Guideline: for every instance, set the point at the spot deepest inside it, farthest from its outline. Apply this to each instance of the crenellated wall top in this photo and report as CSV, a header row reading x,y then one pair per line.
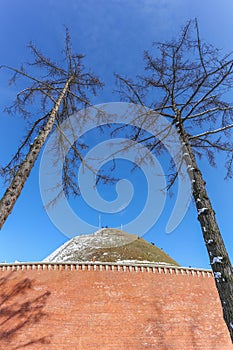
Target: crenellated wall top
x,y
105,266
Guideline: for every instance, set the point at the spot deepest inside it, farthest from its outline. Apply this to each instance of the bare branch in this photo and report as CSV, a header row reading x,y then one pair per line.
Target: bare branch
x,y
131,88
211,132
210,111
22,73
209,92
199,48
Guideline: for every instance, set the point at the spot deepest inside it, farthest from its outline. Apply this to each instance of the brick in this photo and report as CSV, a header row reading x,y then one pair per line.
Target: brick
x,y
89,307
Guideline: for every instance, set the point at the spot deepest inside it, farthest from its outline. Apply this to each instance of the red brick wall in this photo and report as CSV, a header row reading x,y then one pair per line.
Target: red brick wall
x,y
64,308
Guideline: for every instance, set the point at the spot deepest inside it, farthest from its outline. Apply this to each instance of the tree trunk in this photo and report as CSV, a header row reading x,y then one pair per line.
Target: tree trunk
x,y
13,191
219,259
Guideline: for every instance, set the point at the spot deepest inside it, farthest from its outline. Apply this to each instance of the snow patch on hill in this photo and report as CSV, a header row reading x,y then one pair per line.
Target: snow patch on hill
x,y
86,245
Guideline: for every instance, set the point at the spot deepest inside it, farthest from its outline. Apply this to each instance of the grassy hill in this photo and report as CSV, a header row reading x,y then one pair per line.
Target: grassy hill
x,y
110,245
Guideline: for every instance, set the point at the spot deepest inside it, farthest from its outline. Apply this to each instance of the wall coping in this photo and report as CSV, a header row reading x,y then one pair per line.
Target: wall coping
x,y
104,266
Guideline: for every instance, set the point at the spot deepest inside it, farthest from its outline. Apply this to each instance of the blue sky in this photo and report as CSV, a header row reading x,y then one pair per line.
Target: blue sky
x,y
112,35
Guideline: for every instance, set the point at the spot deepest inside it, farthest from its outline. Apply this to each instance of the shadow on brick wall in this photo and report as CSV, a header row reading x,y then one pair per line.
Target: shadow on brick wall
x,y
21,309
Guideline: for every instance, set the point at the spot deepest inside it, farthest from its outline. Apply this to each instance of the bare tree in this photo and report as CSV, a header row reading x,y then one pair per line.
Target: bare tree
x,y
57,91
187,82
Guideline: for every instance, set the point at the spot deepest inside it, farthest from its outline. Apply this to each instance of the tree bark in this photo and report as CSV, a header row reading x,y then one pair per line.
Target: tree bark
x,y
219,259
15,188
